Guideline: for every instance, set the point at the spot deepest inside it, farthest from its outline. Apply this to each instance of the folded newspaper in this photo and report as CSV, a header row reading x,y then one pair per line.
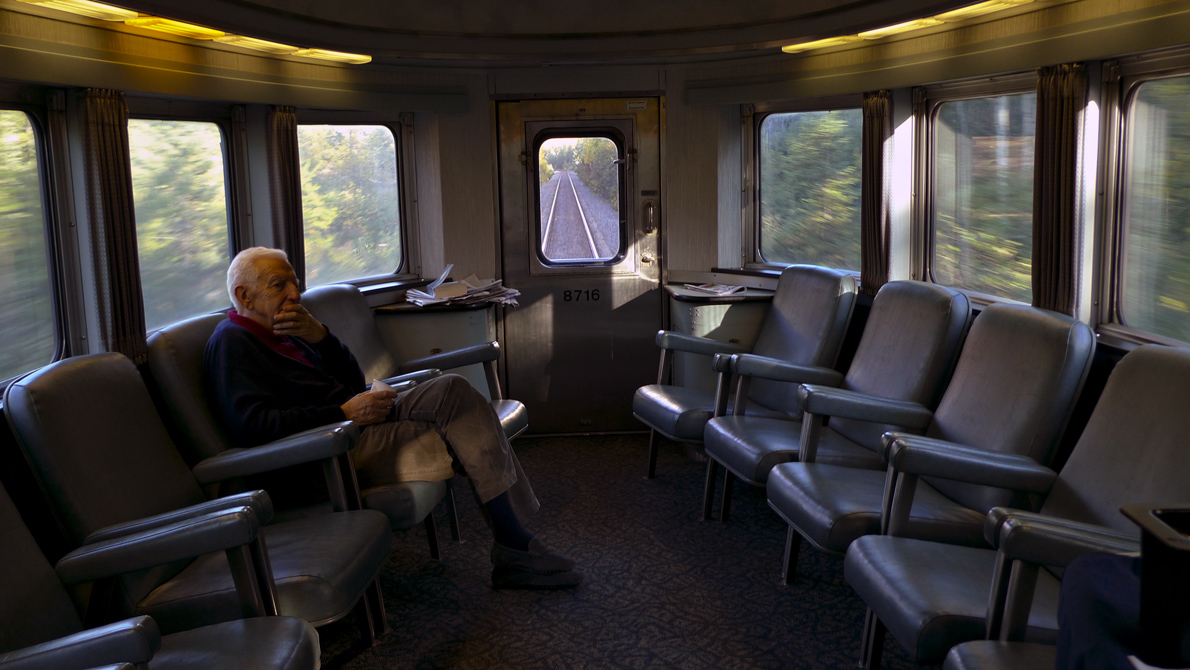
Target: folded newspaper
x,y
715,289
469,291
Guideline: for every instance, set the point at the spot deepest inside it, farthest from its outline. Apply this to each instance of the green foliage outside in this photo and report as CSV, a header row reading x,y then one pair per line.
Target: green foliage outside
x,y
180,193
592,161
983,195
545,171
810,188
26,305
350,202
558,153
1156,296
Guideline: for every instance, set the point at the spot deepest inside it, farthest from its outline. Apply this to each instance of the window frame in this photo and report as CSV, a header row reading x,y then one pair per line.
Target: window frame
x,y
622,153
1123,78
754,117
403,139
927,100
56,248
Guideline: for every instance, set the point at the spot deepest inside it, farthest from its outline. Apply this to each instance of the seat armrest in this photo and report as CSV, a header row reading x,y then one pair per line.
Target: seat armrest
x,y
447,360
307,446
667,339
215,531
419,377
258,500
913,454
723,362
1036,538
132,641
751,365
827,401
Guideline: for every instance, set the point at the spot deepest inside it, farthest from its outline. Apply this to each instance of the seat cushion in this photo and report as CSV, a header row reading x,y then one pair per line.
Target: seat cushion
x,y
933,596
995,655
831,506
321,566
406,504
514,417
677,412
262,643
749,446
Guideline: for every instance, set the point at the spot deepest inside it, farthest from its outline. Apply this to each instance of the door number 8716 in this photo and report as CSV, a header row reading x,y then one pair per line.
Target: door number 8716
x,y
581,295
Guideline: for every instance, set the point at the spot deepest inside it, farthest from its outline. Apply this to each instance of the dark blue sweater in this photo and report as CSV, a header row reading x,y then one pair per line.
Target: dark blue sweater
x,y
262,395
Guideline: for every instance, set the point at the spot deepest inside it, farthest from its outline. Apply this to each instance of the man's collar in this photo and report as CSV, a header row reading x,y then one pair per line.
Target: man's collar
x,y
256,328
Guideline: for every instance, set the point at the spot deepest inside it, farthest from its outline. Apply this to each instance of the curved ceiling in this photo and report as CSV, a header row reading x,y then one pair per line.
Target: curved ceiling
x,y
463,32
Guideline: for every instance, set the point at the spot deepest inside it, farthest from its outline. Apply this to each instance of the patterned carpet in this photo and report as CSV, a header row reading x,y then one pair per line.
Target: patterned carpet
x,y
661,588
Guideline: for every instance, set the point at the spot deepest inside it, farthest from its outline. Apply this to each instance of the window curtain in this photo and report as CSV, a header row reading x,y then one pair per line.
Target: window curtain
x,y
874,208
1061,95
285,187
111,214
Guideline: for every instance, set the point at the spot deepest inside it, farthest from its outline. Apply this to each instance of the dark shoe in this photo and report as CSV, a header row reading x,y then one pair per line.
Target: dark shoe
x,y
504,577
538,558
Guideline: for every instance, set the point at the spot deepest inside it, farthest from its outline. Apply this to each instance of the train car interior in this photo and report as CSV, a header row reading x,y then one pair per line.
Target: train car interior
x,y
834,333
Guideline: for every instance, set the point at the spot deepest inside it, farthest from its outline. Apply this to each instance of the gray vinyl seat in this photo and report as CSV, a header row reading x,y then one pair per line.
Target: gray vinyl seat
x,y
101,453
932,596
904,359
40,627
804,326
1016,381
343,309
176,365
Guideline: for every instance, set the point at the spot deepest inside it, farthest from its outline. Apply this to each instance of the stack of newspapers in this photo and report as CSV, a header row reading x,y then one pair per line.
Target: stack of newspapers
x,y
469,291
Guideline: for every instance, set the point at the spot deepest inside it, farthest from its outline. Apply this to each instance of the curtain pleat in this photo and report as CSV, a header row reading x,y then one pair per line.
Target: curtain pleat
x,y
111,213
285,187
1061,94
874,207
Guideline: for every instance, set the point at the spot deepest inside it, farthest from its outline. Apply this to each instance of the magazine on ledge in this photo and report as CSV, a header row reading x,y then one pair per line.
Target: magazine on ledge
x,y
715,289
469,291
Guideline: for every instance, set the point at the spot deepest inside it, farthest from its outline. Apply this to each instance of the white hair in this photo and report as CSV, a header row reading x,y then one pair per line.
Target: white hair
x,y
245,269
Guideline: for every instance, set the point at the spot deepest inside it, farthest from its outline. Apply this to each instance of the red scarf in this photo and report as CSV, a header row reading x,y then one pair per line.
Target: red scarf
x,y
278,343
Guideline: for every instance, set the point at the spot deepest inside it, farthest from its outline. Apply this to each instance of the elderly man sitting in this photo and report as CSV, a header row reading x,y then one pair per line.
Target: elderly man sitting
x,y
273,370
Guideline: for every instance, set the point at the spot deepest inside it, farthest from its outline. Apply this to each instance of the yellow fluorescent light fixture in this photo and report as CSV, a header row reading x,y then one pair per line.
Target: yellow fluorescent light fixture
x,y
357,59
898,28
980,9
175,27
256,45
819,44
94,10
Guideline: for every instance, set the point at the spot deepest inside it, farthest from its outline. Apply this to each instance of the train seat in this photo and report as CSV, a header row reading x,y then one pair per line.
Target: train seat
x,y
40,627
342,308
903,361
95,442
932,596
1016,381
804,326
175,362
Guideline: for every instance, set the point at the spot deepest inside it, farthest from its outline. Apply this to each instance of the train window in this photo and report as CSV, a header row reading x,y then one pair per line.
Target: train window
x,y
1156,240
578,193
27,323
179,187
810,170
351,203
983,194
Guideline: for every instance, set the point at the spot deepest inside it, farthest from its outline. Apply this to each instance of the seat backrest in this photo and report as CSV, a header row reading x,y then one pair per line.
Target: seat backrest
x,y
95,442
34,607
343,309
1136,446
805,325
176,365
1014,386
907,350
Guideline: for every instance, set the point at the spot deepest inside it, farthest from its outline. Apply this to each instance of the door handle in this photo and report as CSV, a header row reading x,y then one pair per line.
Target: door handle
x,y
649,217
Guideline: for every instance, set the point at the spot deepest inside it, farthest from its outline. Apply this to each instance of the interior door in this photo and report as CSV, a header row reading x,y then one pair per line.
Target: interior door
x,y
580,202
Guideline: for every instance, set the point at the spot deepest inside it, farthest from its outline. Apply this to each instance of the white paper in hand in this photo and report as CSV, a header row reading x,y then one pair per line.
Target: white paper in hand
x,y
378,385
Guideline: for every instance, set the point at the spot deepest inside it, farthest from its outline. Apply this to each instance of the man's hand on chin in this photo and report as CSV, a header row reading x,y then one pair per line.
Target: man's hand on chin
x,y
295,321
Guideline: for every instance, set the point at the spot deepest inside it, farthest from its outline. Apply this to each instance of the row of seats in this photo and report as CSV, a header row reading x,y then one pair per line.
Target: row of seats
x,y
927,463
225,581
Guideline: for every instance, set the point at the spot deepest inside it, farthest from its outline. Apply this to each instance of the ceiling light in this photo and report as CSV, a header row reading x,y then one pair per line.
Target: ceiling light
x,y
819,44
980,9
94,10
256,45
339,56
898,28
175,27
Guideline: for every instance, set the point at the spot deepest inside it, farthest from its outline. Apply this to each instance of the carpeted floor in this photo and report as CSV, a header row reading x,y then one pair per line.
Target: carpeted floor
x,y
661,589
